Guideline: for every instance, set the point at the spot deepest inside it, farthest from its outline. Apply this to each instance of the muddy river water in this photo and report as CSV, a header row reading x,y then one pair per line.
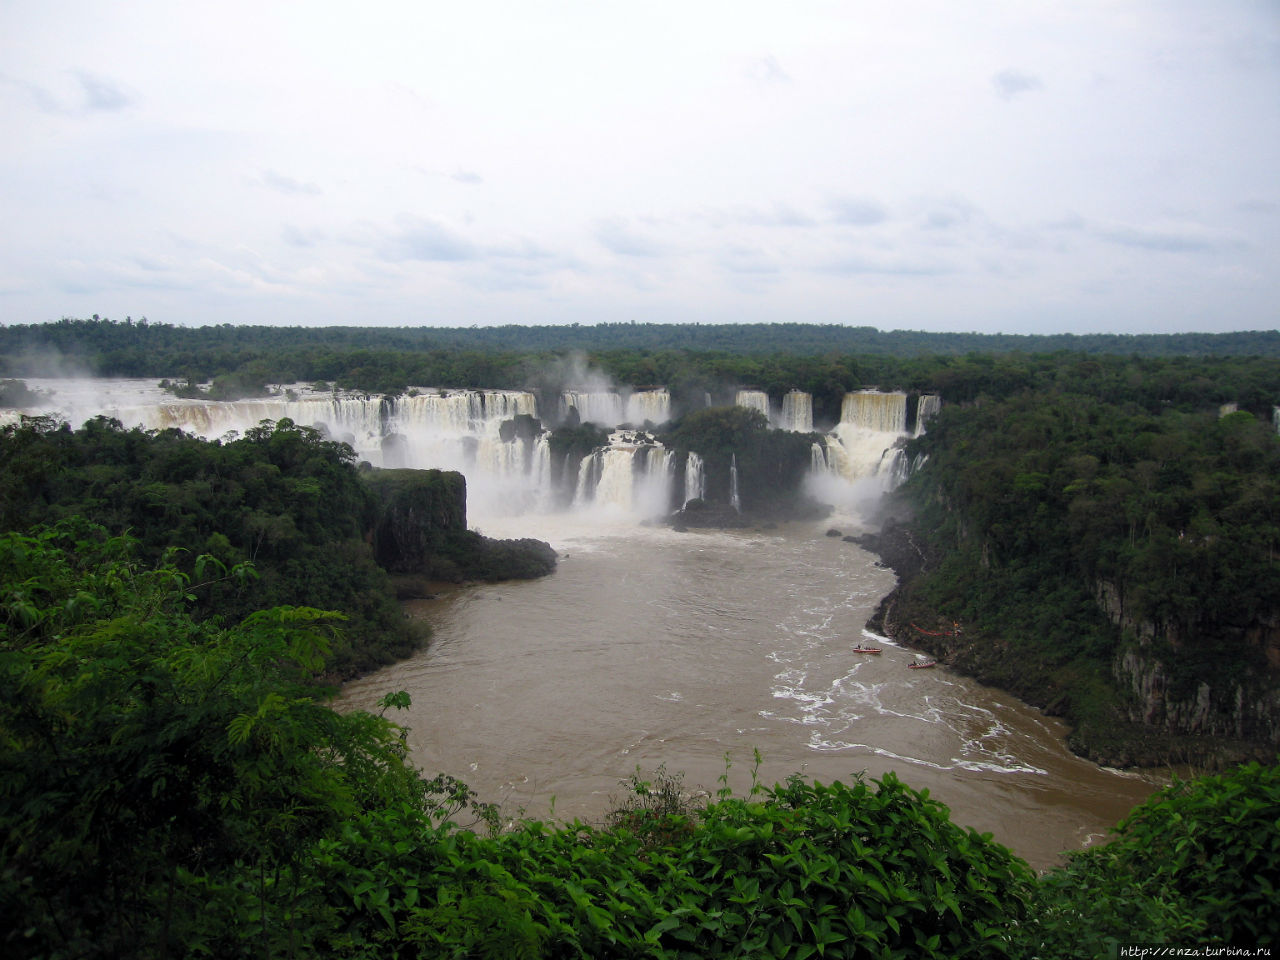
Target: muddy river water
x,y
651,647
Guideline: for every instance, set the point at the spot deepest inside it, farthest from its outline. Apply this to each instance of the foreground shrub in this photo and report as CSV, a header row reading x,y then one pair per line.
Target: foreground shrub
x,y
1199,862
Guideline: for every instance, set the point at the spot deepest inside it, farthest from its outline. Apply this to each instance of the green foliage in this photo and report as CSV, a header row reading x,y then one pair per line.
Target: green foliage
x,y
280,496
422,531
145,755
1198,862
170,787
1038,504
771,464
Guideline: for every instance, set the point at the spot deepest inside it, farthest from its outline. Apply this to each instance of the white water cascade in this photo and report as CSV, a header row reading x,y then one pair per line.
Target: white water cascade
x,y
651,406
797,412
695,478
865,449
461,430
753,400
926,409
631,475
601,407
611,408
734,500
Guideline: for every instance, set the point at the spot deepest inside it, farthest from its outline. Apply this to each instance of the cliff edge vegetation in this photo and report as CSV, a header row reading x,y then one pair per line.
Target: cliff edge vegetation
x,y
1114,561
281,498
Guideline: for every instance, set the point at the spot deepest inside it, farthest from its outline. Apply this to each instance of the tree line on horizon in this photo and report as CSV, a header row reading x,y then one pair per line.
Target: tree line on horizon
x,y
689,359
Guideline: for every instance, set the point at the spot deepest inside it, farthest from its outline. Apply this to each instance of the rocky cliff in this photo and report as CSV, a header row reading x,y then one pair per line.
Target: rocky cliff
x,y
421,533
1159,699
1178,683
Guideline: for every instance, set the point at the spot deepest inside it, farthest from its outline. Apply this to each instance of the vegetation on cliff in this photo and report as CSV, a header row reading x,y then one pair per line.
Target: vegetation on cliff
x,y
1087,541
281,497
771,464
422,531
179,787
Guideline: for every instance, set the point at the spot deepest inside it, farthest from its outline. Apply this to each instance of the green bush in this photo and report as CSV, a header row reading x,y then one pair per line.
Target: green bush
x,y
1198,862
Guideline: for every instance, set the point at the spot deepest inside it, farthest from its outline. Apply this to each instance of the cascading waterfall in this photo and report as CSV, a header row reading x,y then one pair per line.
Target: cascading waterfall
x,y
632,474
817,458
695,478
872,410
653,406
753,400
602,407
444,429
927,408
797,412
866,446
461,430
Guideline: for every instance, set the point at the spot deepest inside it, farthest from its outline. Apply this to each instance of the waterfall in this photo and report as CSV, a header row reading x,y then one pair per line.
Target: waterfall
x,y
695,479
632,474
817,458
461,430
753,400
871,410
653,406
797,412
927,408
445,429
1275,418
603,408
866,447
540,471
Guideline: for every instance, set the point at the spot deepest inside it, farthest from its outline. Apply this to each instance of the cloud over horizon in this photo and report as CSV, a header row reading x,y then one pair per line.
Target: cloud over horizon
x,y
1032,169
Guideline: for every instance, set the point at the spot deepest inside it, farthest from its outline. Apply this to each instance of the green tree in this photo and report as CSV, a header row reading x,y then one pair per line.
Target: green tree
x,y
144,755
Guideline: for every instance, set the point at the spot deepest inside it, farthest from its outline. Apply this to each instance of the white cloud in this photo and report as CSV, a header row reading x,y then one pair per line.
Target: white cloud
x,y
419,238
857,211
288,185
912,165
1010,83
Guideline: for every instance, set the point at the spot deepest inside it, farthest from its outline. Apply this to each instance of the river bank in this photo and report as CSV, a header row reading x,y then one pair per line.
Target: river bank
x,y
1080,695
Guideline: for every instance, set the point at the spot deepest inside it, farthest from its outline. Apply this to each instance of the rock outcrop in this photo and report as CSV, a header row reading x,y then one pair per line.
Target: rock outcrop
x,y
421,532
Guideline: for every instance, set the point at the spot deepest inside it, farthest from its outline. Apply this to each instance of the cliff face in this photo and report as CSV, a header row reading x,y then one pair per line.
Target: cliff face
x,y
421,531
1239,699
1173,700
421,510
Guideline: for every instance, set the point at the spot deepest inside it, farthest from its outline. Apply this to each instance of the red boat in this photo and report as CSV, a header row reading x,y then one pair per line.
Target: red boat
x,y
922,664
861,649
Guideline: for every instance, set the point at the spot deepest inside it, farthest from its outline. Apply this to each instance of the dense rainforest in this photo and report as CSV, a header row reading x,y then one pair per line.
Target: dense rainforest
x,y
1094,530
289,502
689,359
1118,565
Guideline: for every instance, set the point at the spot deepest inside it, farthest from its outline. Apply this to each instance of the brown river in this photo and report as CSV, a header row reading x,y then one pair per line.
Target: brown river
x,y
650,647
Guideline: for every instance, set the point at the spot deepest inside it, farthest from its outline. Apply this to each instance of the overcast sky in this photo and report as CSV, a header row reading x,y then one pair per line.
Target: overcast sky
x,y
1018,166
